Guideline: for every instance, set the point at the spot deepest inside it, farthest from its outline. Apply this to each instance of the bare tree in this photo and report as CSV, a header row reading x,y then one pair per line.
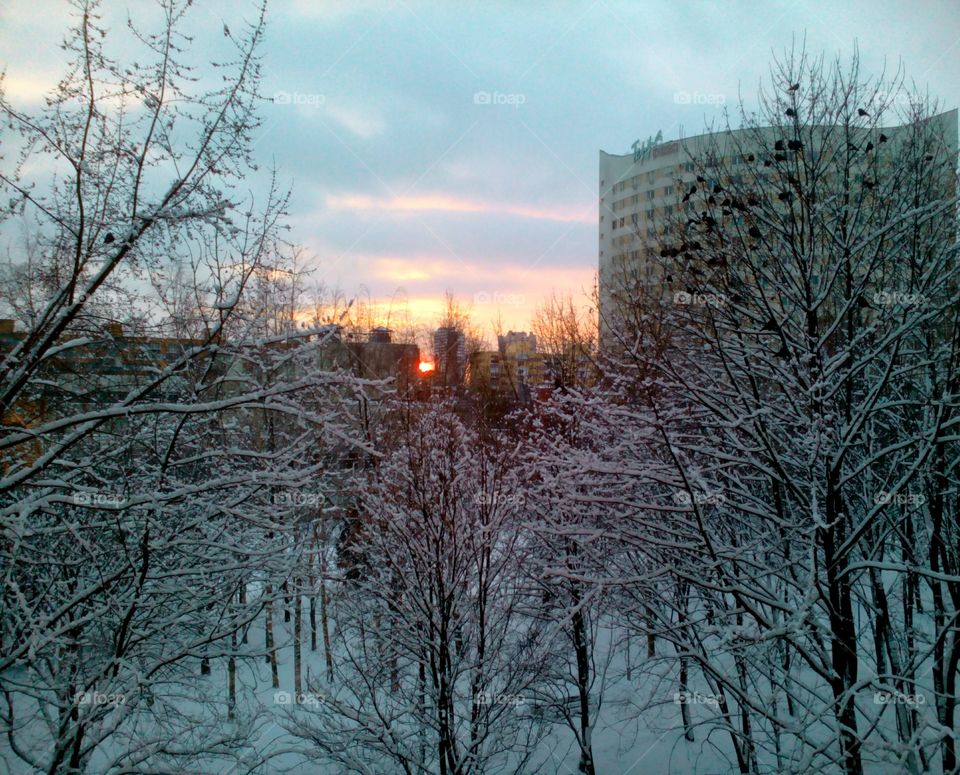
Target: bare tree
x,y
434,658
152,409
795,354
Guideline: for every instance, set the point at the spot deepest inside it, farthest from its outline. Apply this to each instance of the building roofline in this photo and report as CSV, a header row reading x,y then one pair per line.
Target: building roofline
x,y
769,126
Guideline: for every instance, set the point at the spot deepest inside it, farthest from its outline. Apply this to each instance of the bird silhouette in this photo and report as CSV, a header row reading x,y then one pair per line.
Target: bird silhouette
x,y
869,147
767,163
790,112
793,87
778,145
862,112
794,145
751,157
785,196
701,179
755,232
883,138
226,31
779,157
770,325
718,189
868,184
108,239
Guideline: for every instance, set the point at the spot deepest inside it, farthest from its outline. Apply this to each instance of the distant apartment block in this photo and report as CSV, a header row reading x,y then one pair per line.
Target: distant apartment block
x,y
512,370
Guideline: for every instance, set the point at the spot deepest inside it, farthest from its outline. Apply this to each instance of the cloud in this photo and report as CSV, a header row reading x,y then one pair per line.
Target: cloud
x,y
417,203
361,123
29,88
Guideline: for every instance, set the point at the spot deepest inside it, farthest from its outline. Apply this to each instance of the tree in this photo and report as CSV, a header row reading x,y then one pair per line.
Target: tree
x,y
569,334
141,468
434,659
805,306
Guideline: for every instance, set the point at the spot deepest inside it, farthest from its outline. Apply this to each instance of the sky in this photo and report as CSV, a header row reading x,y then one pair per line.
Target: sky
x,y
453,146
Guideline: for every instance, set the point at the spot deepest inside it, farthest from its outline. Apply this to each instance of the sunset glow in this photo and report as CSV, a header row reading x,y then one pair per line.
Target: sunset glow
x,y
426,367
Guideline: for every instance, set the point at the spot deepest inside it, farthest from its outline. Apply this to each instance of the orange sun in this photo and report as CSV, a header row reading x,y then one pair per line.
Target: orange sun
x,y
426,367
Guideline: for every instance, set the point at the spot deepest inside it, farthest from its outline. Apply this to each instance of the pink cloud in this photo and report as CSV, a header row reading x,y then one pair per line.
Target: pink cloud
x,y
453,204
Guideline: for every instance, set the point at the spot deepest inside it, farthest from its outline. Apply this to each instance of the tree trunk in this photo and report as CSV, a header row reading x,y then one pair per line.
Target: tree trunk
x,y
324,609
243,604
582,653
313,612
271,648
297,634
684,702
232,679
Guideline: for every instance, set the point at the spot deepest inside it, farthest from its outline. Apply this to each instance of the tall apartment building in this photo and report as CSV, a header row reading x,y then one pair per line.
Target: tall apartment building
x,y
641,193
450,356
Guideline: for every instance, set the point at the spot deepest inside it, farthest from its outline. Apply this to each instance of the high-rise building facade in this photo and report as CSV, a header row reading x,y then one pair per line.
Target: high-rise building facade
x,y
450,356
642,194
